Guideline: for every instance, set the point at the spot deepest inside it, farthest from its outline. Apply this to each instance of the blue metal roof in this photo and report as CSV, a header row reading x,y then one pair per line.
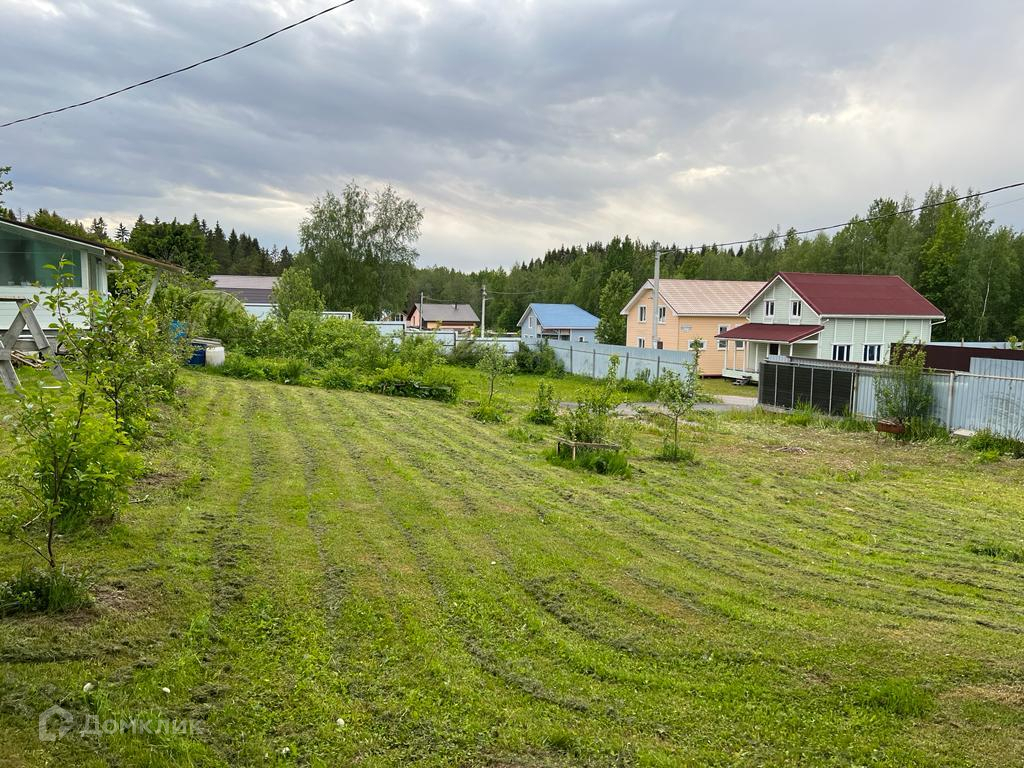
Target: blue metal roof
x,y
567,316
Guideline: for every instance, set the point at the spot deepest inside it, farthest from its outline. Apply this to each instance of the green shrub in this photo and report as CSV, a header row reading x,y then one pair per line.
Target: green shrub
x,y
542,360
986,441
904,394
545,409
670,451
287,371
421,353
400,380
466,354
38,590
601,462
489,413
240,366
522,434
338,376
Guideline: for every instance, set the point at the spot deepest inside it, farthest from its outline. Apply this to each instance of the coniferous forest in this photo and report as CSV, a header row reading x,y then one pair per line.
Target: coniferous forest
x,y
951,251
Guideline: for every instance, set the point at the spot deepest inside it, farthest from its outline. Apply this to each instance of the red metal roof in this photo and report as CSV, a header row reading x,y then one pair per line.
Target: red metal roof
x,y
859,295
781,332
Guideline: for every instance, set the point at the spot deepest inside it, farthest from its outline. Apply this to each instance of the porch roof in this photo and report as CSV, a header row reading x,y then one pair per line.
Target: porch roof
x,y
774,332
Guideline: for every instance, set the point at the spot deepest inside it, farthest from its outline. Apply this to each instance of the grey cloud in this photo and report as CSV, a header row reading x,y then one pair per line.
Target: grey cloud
x,y
517,125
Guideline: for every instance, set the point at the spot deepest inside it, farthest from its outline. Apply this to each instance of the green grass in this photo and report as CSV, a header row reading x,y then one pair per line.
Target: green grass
x,y
300,555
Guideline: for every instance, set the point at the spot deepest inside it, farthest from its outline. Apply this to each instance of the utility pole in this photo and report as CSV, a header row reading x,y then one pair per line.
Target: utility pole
x,y
657,293
483,312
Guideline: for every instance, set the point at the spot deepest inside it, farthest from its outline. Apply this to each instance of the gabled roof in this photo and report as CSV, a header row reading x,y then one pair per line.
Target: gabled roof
x,y
561,316
775,332
701,297
251,289
857,295
112,253
447,313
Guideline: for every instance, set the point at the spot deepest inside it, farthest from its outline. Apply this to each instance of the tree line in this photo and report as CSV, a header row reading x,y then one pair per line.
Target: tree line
x,y
951,252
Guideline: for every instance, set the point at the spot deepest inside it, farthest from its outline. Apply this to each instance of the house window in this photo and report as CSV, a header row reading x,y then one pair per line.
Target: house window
x,y
723,343
872,353
769,309
661,314
841,352
773,349
642,314
739,345
798,308
640,342
581,339
23,261
529,322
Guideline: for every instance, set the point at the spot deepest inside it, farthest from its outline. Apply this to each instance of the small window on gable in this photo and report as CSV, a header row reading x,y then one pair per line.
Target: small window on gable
x,y
661,314
798,307
642,313
769,309
529,322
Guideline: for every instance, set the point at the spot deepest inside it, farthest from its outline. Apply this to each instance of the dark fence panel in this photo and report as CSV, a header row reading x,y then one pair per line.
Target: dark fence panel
x,y
785,385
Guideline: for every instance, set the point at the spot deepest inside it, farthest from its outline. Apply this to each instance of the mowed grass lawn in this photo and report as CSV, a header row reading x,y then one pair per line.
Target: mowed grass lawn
x,y
800,597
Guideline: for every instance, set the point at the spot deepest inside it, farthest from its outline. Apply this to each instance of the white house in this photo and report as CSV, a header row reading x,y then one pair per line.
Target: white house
x,y
27,250
851,318
565,322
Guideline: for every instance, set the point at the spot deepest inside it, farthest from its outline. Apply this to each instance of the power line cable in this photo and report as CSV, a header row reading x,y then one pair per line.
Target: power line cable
x,y
181,69
866,220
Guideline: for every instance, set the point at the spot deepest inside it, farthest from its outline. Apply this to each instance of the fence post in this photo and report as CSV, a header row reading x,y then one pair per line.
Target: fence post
x,y
593,364
570,359
949,400
626,374
657,369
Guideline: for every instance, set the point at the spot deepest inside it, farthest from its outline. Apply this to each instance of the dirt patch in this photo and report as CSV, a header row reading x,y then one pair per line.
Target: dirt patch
x,y
1007,694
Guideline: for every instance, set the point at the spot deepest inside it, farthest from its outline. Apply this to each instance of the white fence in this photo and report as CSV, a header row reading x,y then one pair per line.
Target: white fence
x,y
592,360
969,401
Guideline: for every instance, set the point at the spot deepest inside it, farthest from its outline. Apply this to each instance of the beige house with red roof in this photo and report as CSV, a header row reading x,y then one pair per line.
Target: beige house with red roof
x,y
690,310
849,318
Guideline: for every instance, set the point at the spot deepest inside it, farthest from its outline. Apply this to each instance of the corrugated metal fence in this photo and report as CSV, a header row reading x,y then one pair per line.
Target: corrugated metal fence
x,y
592,360
961,400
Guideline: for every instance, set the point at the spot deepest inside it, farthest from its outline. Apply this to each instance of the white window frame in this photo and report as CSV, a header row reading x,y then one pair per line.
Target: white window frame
x,y
769,310
529,322
640,342
661,314
740,345
641,314
796,309
723,344
582,339
846,355
876,358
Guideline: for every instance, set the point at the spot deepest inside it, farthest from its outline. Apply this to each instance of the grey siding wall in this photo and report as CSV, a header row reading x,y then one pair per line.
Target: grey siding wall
x,y
783,296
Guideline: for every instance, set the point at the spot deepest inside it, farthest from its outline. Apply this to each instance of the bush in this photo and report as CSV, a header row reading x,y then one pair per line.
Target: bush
x,y
904,394
601,462
986,441
288,371
466,354
851,422
489,413
542,360
673,452
239,366
338,376
400,380
545,409
38,590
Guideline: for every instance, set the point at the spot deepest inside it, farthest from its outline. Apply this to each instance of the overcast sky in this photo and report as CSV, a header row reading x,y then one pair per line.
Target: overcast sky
x,y
518,126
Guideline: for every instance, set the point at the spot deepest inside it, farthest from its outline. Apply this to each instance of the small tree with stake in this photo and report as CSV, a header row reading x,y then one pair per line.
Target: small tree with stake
x,y
677,395
494,364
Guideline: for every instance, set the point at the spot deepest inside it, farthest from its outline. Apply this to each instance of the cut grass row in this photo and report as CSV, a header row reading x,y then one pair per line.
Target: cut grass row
x,y
317,555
